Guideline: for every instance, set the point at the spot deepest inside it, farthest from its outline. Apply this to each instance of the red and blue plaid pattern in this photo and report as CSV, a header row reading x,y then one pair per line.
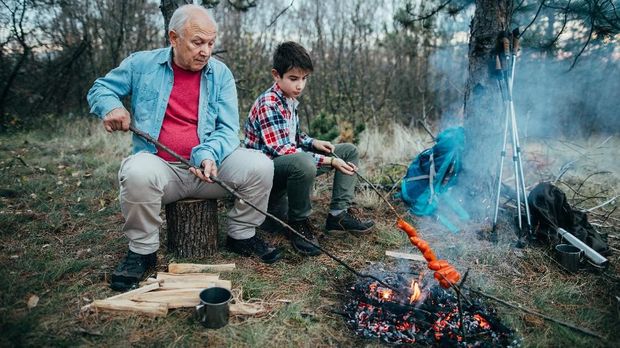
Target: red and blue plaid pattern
x,y
266,128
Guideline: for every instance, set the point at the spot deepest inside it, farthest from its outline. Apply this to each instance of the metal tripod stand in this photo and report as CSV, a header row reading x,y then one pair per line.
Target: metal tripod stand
x,y
505,71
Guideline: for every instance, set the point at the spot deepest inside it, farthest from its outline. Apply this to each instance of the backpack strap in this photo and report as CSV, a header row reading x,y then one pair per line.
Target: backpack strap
x,y
431,177
414,178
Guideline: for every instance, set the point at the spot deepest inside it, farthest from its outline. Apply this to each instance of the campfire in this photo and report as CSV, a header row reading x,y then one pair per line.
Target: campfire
x,y
419,311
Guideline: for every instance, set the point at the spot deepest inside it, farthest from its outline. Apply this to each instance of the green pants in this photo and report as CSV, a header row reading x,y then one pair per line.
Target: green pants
x,y
294,177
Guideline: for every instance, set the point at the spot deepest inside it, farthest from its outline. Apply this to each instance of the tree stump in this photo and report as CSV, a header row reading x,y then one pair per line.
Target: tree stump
x,y
192,227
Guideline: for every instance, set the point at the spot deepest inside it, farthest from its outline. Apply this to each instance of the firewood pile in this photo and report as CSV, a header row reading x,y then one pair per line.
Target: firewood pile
x,y
178,288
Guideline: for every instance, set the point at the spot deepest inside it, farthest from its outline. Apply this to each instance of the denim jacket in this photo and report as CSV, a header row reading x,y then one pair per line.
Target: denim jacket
x,y
147,76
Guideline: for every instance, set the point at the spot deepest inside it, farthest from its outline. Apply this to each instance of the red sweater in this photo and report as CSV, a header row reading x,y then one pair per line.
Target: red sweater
x,y
179,130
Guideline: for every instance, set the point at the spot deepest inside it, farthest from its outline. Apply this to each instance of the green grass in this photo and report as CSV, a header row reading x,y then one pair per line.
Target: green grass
x,y
60,238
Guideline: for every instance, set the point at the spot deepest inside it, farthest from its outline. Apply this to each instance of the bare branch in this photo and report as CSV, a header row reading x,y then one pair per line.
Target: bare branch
x,y
542,3
564,22
584,45
430,14
279,14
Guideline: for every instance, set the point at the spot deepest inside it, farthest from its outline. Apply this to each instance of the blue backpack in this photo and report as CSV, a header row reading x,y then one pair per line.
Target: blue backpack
x,y
432,173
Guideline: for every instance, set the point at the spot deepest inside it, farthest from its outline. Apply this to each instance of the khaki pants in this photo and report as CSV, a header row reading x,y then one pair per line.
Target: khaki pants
x,y
147,182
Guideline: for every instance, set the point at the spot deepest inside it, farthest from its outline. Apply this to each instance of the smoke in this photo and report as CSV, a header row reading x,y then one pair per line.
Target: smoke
x,y
553,100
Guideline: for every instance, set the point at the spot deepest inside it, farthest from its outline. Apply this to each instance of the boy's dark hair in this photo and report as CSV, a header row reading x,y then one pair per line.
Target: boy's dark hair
x,y
290,55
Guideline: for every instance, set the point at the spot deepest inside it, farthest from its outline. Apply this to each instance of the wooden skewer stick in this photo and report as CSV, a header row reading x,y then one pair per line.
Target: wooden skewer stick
x,y
546,317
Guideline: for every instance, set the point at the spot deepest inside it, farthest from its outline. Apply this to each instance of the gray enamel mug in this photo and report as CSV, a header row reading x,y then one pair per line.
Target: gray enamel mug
x,y
569,256
213,310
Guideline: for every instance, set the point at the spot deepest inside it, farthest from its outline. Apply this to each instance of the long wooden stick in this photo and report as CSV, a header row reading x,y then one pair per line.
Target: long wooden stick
x,y
253,206
546,317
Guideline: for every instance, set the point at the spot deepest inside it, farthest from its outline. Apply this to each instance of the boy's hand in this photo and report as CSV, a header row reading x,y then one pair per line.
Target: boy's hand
x,y
210,169
322,145
344,167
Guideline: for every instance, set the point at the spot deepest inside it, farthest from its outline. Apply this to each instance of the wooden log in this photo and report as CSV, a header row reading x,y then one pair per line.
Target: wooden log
x,y
196,284
196,268
151,309
192,227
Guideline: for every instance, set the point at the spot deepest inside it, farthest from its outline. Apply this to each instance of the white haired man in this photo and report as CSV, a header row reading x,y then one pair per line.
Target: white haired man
x,y
188,102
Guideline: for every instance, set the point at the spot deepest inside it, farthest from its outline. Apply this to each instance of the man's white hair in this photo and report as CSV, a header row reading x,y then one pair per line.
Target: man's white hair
x,y
183,13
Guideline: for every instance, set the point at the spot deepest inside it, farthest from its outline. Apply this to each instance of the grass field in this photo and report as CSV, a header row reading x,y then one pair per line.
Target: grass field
x,y
60,239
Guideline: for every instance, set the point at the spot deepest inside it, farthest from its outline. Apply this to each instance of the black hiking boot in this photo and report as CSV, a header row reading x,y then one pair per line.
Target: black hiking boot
x,y
347,221
306,230
254,246
272,226
132,270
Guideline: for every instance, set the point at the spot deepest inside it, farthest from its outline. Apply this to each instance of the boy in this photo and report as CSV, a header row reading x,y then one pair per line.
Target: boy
x,y
273,128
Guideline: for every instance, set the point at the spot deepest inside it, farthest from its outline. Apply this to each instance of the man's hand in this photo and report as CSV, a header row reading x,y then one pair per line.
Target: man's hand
x,y
208,170
117,119
323,146
344,167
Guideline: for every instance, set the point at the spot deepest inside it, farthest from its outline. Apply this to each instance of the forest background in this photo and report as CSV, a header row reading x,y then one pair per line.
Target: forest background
x,y
382,70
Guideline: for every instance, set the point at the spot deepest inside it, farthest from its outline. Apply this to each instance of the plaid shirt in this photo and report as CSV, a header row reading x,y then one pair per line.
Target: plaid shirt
x,y
267,127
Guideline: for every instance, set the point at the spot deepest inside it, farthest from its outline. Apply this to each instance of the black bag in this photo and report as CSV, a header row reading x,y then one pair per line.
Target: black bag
x,y
548,205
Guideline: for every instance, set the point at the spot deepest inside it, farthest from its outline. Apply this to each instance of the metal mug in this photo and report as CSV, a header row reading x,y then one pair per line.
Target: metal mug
x,y
213,310
569,256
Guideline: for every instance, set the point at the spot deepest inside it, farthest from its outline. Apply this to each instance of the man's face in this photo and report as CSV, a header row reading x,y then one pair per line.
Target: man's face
x,y
193,46
292,83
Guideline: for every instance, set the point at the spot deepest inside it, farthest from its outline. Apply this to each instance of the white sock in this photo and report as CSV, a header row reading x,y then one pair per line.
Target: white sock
x,y
336,212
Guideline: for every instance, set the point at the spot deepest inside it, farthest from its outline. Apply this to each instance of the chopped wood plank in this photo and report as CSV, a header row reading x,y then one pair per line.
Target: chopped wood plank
x,y
150,281
246,309
151,309
196,284
173,298
128,294
196,268
186,277
407,256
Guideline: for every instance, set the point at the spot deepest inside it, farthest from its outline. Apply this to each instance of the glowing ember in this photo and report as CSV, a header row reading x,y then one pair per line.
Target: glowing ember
x,y
385,294
414,313
484,324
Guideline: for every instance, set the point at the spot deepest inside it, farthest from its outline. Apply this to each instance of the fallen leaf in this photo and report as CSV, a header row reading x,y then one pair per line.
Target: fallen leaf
x,y
33,301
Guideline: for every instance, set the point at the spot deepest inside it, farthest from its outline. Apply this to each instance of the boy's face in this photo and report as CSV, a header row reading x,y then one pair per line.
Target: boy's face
x,y
292,83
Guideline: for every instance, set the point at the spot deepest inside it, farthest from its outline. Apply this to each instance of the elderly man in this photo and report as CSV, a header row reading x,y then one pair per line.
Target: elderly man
x,y
189,102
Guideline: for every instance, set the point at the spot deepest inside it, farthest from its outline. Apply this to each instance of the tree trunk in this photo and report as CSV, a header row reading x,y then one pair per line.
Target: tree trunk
x,y
167,9
484,113
192,227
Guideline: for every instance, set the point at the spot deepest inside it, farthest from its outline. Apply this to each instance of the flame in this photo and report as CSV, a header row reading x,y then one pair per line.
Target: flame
x,y
415,291
483,322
